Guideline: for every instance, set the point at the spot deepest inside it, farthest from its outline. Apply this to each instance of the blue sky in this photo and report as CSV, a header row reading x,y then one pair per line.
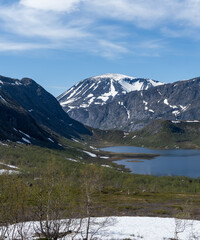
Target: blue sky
x,y
60,42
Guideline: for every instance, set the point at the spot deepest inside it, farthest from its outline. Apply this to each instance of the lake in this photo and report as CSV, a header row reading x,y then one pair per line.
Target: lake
x,y
171,162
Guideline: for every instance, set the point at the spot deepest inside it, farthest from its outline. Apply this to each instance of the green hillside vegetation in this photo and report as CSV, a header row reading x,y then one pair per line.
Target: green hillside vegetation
x,y
117,192
161,134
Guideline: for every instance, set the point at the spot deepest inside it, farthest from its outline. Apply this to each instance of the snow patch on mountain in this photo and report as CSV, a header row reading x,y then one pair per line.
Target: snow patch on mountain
x,y
26,140
28,136
184,108
1,98
167,103
112,93
176,112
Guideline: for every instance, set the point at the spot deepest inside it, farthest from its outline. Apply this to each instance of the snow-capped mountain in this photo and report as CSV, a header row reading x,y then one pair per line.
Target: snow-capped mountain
x,y
102,89
131,110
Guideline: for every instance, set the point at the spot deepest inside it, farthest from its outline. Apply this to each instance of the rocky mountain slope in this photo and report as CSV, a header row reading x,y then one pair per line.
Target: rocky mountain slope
x,y
26,109
18,126
136,109
100,90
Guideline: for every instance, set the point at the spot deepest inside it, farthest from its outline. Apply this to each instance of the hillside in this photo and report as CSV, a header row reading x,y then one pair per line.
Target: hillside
x,y
17,125
162,134
41,106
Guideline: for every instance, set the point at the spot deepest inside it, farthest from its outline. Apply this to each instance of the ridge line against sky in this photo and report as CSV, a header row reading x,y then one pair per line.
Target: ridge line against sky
x,y
156,39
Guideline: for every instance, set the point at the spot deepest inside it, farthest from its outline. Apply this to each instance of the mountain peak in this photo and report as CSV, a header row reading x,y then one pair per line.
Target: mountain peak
x,y
114,76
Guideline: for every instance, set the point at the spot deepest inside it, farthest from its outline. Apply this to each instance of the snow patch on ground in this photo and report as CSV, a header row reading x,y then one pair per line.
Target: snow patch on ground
x,y
3,144
193,121
73,160
93,148
175,122
106,166
9,172
90,154
75,140
10,166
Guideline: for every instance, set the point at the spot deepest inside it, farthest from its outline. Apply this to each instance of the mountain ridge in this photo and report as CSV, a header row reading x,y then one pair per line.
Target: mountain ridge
x,y
102,89
134,110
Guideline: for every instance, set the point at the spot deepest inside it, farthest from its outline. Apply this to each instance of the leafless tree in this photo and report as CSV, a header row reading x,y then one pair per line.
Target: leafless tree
x,y
92,182
55,202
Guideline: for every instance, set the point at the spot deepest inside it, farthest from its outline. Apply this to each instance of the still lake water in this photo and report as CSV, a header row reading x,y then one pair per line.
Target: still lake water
x,y
172,162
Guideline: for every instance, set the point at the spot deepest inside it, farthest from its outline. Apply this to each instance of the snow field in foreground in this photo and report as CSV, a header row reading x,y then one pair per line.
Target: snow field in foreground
x,y
134,228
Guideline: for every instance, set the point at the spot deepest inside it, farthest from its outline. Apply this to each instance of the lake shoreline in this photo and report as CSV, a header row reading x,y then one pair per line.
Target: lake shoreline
x,y
167,162
120,156
108,145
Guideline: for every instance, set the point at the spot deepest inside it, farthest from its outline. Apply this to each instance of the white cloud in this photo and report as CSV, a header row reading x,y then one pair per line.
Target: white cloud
x,y
32,23
52,5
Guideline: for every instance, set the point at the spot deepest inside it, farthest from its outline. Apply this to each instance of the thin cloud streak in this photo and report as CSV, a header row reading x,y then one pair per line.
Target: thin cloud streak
x,y
6,46
52,5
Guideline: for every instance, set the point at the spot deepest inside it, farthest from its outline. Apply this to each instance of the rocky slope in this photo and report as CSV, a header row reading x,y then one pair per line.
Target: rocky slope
x,y
18,126
27,111
136,109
